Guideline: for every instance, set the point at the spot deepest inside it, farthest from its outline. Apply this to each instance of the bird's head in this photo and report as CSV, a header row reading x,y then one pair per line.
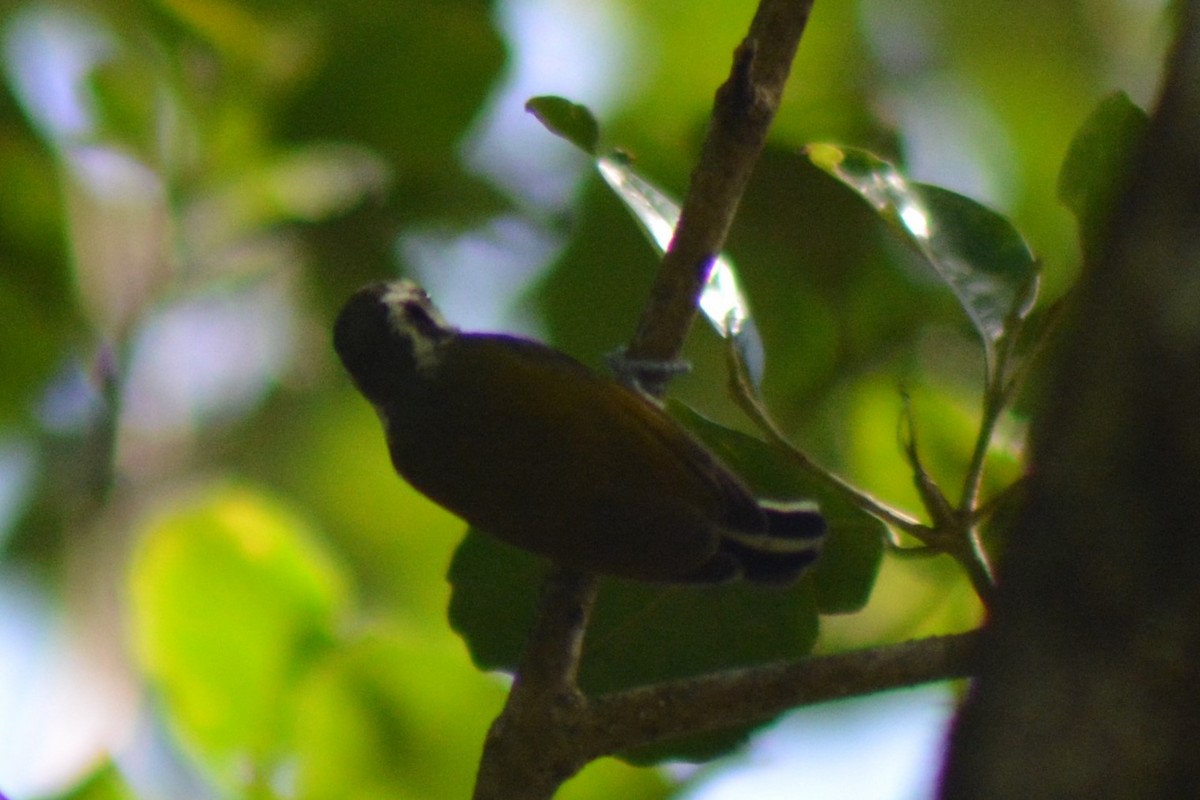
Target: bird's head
x,y
387,335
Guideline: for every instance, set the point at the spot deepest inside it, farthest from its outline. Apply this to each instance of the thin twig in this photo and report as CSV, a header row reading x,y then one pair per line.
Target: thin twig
x,y
751,403
953,531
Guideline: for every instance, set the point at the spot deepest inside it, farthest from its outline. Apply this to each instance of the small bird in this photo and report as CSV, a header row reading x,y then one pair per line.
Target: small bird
x,y
527,444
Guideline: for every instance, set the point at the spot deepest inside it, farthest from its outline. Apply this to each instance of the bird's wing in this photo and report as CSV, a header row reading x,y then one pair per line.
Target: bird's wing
x,y
621,417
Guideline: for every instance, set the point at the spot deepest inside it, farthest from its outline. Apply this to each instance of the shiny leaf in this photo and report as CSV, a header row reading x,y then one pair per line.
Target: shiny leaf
x,y
722,301
975,251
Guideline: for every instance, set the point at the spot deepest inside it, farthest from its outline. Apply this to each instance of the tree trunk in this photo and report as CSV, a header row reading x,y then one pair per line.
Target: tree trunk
x,y
1090,677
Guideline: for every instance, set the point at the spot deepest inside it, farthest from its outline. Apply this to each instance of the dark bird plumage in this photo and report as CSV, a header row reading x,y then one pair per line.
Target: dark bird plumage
x,y
527,444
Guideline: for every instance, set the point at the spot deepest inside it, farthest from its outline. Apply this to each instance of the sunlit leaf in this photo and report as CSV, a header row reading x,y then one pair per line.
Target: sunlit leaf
x,y
571,121
977,252
392,715
606,778
232,597
1097,162
104,783
722,301
308,184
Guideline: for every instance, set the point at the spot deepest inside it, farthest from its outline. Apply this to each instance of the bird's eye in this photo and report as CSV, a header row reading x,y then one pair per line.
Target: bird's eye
x,y
419,317
422,321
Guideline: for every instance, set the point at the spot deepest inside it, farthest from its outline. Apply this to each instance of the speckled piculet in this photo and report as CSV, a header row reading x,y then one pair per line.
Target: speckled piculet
x,y
527,444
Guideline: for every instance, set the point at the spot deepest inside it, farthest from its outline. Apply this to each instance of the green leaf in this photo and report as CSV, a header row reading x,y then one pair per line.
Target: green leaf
x,y
975,251
640,633
37,292
307,184
130,105
1097,163
406,78
571,121
493,598
232,599
844,575
104,783
392,715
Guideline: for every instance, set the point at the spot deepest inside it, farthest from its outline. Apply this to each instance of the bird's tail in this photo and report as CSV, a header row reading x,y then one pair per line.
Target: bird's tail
x,y
781,554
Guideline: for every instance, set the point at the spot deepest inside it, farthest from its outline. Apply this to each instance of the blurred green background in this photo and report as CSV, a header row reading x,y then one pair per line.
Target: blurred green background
x,y
211,582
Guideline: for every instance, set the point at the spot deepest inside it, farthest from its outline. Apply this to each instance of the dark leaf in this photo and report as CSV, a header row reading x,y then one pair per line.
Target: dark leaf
x,y
571,121
640,633
1097,162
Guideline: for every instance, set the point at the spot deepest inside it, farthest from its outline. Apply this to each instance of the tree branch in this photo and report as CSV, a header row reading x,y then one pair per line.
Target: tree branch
x,y
744,108
533,745
527,754
653,714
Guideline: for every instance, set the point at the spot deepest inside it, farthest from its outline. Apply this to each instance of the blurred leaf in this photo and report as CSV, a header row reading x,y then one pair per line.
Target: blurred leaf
x,y
232,599
1096,164
842,578
129,104
392,715
977,252
37,302
397,542
406,77
322,180
571,121
104,783
308,184
31,345
262,43
606,778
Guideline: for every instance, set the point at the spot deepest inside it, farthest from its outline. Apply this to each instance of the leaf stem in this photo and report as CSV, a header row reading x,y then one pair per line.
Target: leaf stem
x,y
995,398
750,402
